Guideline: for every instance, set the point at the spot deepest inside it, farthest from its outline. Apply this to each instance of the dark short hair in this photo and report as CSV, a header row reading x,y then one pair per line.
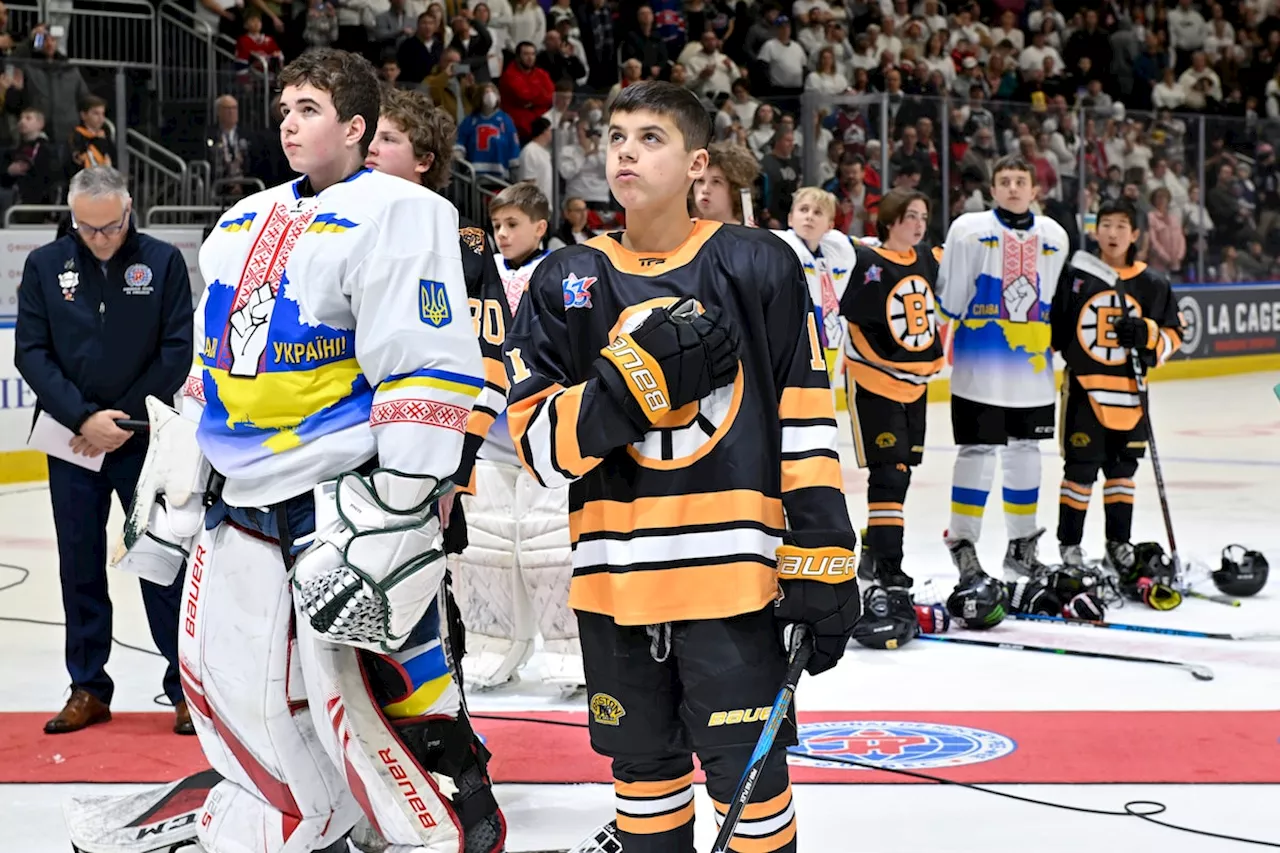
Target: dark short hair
x,y
89,102
524,197
1119,207
894,206
1012,163
348,78
670,101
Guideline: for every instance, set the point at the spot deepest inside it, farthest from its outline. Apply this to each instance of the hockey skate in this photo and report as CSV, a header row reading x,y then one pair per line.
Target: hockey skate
x,y
1072,556
866,561
1020,559
965,555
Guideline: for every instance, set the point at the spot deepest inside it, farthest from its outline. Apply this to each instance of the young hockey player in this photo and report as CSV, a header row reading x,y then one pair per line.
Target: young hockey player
x,y
332,385
702,478
512,581
717,195
1102,423
996,282
891,352
827,258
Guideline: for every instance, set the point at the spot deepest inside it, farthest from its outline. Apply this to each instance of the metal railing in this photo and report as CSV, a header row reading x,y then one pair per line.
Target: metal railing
x,y
181,215
194,57
38,209
121,32
158,176
471,193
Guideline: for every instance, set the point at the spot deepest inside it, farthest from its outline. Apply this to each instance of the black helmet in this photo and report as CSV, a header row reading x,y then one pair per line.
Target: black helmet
x,y
1244,576
981,605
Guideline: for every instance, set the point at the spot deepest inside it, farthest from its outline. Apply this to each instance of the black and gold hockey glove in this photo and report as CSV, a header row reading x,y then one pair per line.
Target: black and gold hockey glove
x,y
819,590
675,357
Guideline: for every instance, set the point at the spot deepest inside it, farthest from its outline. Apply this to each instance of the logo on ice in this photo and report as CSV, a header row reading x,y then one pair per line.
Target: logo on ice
x,y
903,745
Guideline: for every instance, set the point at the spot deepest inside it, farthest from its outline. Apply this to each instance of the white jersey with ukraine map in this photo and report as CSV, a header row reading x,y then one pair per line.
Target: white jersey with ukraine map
x,y
827,271
334,326
995,285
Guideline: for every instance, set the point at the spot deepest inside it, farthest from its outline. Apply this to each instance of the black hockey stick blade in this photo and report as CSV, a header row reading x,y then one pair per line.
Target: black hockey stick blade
x,y
801,649
1143,629
1201,673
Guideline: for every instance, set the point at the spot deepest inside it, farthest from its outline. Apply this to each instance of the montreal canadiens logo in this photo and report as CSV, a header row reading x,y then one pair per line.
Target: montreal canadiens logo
x,y
907,746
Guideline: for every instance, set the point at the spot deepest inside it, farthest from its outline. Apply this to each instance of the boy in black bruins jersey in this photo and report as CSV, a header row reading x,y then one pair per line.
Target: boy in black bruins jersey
x,y
706,503
1102,423
891,351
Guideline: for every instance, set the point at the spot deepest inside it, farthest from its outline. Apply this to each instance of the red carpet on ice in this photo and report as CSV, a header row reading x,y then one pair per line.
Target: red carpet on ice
x,y
1032,747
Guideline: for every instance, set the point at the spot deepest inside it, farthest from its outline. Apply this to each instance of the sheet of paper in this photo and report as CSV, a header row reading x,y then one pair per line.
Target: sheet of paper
x,y
49,436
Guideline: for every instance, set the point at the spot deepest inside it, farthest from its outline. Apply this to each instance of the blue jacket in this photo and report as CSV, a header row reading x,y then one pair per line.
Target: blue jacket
x,y
94,336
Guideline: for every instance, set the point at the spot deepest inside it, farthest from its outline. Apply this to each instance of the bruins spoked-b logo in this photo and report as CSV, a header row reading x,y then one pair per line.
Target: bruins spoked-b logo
x,y
1097,330
911,314
606,710
885,440
687,434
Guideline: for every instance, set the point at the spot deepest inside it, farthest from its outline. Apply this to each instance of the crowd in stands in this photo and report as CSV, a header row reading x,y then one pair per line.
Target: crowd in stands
x,y
1104,98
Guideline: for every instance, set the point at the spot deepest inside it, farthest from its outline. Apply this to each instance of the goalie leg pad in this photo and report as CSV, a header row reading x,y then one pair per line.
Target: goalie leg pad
x,y
243,683
487,580
546,566
167,512
406,801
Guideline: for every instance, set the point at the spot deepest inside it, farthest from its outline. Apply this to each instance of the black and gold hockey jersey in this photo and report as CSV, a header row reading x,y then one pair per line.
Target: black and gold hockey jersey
x,y
490,317
892,347
683,521
1085,309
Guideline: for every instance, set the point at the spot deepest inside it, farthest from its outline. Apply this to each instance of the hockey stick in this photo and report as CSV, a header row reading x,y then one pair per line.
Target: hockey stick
x,y
1140,377
1216,599
1144,629
1203,673
801,649
748,208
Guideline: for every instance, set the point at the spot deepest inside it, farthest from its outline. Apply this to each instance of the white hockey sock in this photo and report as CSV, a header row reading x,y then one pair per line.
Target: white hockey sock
x,y
1021,481
970,485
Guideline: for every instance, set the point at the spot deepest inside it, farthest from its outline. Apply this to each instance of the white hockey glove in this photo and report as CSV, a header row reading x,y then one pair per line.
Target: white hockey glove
x,y
167,512
377,561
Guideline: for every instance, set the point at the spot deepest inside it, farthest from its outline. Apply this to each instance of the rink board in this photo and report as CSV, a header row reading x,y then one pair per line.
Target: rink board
x,y
1032,747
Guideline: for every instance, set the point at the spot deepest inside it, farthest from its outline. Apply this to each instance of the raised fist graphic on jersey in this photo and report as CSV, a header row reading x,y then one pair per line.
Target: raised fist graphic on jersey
x,y
248,335
1020,296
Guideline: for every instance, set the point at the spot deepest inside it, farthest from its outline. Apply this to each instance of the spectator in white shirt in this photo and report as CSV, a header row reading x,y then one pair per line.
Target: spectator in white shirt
x,y
813,34
1009,31
1046,12
528,22
1187,31
1168,94
887,41
1198,71
582,165
710,72
535,158
743,104
786,59
1220,43
826,79
760,137
933,17
1035,56
836,39
864,55
972,31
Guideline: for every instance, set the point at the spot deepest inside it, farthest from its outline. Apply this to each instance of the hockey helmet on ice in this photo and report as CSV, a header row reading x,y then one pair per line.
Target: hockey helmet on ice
x,y
1243,572
1150,561
979,601
888,619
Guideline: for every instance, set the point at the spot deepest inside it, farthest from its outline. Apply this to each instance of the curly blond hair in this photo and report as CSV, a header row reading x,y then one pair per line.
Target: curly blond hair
x,y
740,169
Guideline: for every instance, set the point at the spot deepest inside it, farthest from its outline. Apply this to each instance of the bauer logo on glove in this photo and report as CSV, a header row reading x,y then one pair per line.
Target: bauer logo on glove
x,y
831,565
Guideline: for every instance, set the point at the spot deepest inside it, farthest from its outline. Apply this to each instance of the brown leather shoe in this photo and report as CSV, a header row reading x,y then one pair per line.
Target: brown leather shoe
x,y
182,724
82,709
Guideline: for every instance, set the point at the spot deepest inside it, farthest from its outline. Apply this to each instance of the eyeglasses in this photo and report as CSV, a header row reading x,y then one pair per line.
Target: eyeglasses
x,y
111,230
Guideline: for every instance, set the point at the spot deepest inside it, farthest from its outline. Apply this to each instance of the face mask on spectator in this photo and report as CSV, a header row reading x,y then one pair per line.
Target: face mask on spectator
x,y
594,116
490,100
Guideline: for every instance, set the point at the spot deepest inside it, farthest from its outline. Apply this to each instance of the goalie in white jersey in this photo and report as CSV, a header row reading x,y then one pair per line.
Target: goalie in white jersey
x,y
334,376
996,283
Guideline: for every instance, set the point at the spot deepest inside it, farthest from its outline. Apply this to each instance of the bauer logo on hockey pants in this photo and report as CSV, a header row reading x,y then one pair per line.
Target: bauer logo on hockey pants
x,y
606,710
739,715
831,565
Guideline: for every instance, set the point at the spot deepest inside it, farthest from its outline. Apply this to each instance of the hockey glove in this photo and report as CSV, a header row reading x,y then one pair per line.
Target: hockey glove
x,y
674,357
1027,595
933,618
888,619
1085,605
818,589
1135,333
377,562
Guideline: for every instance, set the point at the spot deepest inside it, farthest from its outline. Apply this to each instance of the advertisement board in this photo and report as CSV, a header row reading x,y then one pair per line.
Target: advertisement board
x,y
1224,320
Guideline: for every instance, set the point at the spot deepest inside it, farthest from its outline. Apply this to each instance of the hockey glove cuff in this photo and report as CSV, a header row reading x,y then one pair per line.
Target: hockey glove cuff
x,y
673,358
888,619
1137,333
818,589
